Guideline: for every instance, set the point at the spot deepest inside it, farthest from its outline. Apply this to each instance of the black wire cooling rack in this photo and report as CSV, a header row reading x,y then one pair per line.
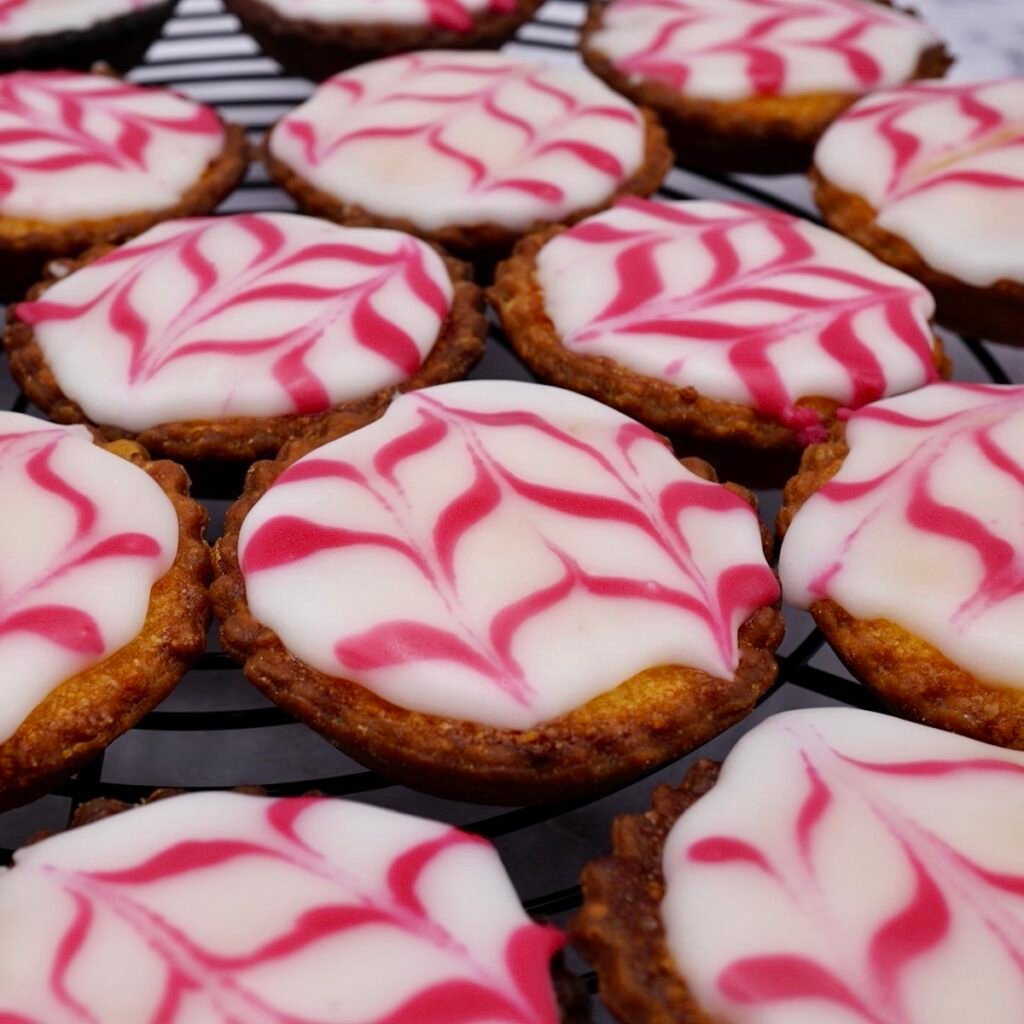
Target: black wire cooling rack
x,y
217,731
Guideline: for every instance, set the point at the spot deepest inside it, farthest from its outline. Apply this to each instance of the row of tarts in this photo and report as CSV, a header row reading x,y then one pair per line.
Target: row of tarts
x,y
508,592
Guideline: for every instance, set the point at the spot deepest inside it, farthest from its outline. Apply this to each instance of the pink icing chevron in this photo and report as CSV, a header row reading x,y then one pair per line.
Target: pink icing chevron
x,y
465,644
906,482
61,129
450,15
946,171
79,545
270,314
500,134
317,950
909,951
830,321
731,49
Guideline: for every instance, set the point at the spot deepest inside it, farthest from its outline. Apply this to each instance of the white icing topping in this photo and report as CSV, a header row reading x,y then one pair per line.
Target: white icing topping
x,y
84,535
852,868
922,525
456,138
252,315
217,908
502,553
744,304
451,15
85,147
20,19
737,49
943,166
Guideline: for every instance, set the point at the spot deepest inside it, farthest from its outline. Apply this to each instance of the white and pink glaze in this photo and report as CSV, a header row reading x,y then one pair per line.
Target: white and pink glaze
x,y
852,868
86,147
922,525
217,908
258,315
732,50
84,535
501,553
743,304
22,19
446,15
942,164
463,138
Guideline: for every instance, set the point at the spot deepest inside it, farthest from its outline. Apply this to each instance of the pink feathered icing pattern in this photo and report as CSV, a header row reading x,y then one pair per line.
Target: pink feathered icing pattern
x,y
84,537
220,907
501,553
856,869
463,138
447,15
922,525
80,146
942,165
744,304
252,315
736,49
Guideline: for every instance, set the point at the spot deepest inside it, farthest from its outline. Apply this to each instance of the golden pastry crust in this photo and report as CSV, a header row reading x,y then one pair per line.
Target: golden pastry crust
x,y
458,348
519,301
87,712
317,50
477,240
26,246
909,674
995,312
654,717
759,135
619,927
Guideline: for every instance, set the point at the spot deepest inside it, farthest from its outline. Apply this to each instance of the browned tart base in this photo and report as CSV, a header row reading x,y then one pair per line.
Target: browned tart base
x,y
619,927
120,42
760,135
458,348
910,675
646,721
680,412
472,240
317,50
88,712
26,246
995,312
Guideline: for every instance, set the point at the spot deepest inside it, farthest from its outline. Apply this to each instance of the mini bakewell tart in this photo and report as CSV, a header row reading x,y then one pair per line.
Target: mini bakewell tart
x,y
842,867
224,907
749,85
500,592
318,38
903,538
78,33
88,158
930,178
103,605
470,150
720,321
223,337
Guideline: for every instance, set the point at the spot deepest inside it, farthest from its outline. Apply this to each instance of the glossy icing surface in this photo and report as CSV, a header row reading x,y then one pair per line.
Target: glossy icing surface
x,y
251,315
852,868
86,147
463,138
501,553
744,304
737,49
450,15
84,535
943,166
922,525
221,908
20,19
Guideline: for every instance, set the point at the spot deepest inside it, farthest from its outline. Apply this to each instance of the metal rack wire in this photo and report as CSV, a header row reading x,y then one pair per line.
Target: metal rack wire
x,y
216,731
